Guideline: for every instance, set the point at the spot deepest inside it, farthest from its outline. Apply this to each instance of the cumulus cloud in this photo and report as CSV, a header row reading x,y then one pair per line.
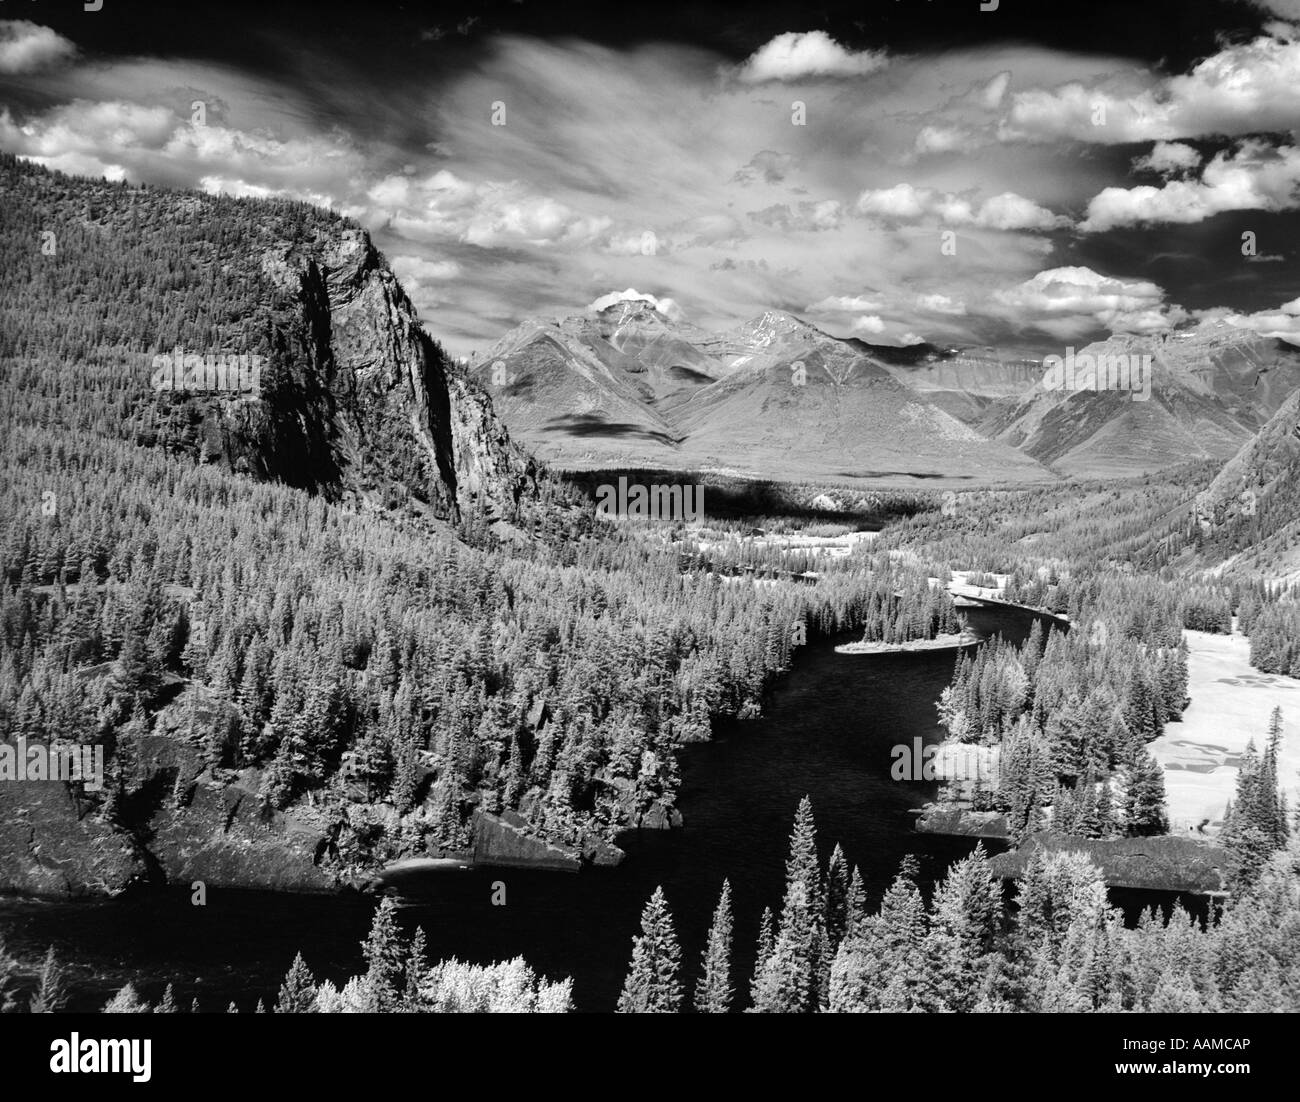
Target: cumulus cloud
x,y
665,306
488,213
421,277
1008,211
1070,302
946,139
1245,88
802,55
1255,176
1280,324
27,47
869,324
1168,158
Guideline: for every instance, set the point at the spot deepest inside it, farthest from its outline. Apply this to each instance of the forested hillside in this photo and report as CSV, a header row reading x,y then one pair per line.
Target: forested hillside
x,y
251,599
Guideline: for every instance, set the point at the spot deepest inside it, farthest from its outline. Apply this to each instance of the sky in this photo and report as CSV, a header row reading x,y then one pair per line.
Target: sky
x,y
894,170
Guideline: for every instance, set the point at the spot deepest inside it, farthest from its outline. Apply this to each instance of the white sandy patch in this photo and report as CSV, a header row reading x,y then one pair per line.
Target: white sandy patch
x,y
1231,704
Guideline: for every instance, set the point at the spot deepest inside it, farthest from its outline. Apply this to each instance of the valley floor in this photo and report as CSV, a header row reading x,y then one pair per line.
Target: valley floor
x,y
1231,704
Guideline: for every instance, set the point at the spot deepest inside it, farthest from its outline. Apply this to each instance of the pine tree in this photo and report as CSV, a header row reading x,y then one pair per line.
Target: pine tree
x,y
837,898
855,913
763,949
50,997
385,955
785,983
167,1005
803,864
652,986
416,962
963,927
8,980
298,991
714,993
1144,795
126,1001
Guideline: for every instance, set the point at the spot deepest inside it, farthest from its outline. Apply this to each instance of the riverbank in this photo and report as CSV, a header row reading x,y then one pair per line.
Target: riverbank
x,y
1167,862
939,642
1164,863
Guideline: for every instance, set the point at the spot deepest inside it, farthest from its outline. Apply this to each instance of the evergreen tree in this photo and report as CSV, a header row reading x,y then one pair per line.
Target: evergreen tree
x,y
837,898
855,913
385,955
652,985
763,950
785,983
298,991
416,962
8,980
714,993
51,996
126,1001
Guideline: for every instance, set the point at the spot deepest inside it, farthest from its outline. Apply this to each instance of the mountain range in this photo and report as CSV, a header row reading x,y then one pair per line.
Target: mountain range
x,y
776,397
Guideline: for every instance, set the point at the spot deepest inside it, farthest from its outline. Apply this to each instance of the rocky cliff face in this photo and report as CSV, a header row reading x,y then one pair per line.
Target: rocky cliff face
x,y
356,401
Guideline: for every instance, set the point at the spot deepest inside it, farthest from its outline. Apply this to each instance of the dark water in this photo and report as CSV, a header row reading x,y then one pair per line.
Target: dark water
x,y
827,731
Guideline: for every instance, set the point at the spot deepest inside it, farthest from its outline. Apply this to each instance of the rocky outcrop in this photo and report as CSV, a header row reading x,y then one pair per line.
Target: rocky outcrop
x,y
353,400
504,840
962,822
1164,863
52,844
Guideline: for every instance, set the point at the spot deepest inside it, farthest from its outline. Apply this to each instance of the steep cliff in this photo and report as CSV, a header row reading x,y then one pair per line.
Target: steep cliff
x,y
342,391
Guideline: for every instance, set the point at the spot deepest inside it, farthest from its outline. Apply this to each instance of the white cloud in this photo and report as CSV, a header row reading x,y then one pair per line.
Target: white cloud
x,y
1246,88
1253,177
488,214
1283,9
843,304
665,306
1069,302
801,55
27,47
991,94
1280,324
1168,158
940,304
1008,211
902,202
946,139
869,323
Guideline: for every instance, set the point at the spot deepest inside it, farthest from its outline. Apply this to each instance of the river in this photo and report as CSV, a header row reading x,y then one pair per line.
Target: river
x,y
827,731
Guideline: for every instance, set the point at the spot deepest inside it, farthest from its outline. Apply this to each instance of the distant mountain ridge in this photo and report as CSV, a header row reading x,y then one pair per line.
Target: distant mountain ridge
x,y
774,397
1212,388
